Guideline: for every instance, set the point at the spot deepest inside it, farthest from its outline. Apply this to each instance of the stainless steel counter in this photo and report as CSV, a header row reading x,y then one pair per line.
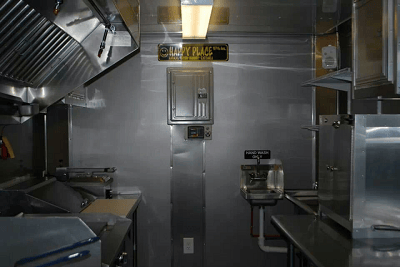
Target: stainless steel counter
x,y
23,238
115,222
326,244
114,232
307,200
125,206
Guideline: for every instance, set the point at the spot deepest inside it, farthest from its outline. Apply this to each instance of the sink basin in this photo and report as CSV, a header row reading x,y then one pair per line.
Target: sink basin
x,y
262,194
262,184
259,191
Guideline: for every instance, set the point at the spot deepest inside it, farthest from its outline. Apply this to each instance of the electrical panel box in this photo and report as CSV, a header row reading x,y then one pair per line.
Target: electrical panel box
x,y
190,96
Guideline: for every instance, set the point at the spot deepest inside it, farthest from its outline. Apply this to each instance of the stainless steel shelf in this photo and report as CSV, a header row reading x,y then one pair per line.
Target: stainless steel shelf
x,y
338,80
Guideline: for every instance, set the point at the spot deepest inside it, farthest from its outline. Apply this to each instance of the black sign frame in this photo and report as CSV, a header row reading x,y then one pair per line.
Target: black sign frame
x,y
252,154
193,52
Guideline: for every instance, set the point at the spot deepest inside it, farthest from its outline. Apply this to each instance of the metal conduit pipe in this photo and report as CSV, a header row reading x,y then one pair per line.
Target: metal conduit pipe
x,y
261,238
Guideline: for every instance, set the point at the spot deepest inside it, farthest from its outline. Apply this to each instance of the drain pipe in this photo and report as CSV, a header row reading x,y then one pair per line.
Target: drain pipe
x,y
261,238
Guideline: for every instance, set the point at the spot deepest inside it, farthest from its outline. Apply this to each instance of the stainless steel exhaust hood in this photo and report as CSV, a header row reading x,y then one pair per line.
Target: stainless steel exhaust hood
x,y
44,56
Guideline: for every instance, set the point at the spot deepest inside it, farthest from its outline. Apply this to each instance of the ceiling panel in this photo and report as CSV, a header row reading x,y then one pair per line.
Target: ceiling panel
x,y
258,16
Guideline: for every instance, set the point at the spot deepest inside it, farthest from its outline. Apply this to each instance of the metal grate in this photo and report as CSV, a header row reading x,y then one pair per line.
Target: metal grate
x,y
33,50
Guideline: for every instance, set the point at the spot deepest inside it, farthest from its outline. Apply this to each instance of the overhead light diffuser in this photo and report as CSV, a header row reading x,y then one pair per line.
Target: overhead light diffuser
x,y
195,18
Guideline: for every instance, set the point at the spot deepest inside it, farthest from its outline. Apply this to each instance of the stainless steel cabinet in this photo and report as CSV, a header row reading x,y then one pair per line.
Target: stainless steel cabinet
x,y
375,48
335,168
358,173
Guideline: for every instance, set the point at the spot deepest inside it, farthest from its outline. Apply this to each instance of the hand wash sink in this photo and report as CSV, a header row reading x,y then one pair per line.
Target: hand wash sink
x,y
262,184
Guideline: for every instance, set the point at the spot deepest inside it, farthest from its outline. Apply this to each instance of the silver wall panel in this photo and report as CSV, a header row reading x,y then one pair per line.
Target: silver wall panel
x,y
129,130
187,199
259,104
58,137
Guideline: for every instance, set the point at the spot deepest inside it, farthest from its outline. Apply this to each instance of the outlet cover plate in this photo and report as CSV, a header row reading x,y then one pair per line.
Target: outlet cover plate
x,y
188,245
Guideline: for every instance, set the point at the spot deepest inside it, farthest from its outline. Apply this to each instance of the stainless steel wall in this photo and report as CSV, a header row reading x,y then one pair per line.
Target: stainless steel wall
x,y
259,104
27,140
187,197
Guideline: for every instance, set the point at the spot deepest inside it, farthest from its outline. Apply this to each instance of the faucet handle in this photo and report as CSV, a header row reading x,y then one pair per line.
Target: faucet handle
x,y
57,7
258,159
315,186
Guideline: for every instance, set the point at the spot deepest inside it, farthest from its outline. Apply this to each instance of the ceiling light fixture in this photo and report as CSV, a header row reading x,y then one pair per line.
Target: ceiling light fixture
x,y
195,18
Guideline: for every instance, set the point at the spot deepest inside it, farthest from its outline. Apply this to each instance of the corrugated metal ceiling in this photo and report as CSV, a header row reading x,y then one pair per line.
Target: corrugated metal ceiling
x,y
30,44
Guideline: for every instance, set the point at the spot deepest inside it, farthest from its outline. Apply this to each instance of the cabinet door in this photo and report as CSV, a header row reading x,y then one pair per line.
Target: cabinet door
x,y
190,95
374,46
326,152
335,168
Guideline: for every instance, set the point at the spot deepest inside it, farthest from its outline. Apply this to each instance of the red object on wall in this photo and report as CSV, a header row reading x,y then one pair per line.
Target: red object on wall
x,y
4,152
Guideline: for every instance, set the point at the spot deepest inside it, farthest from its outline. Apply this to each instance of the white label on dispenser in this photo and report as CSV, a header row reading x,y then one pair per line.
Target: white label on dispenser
x,y
119,38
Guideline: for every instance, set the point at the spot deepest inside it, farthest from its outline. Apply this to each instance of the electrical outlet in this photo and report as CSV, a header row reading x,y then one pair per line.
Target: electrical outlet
x,y
188,245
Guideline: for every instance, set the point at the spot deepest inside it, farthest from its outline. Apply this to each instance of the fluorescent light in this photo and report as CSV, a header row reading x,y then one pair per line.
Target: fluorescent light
x,y
195,20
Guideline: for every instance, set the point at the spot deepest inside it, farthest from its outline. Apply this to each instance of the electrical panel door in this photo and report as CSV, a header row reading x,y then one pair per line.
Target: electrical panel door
x,y
190,95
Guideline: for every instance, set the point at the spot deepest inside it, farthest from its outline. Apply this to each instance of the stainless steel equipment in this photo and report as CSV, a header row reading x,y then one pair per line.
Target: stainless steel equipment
x,y
358,169
45,56
45,196
66,173
92,180
30,237
114,232
323,243
62,196
262,184
13,203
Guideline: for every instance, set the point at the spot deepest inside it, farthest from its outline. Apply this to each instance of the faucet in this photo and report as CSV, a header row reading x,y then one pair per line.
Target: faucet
x,y
256,176
57,7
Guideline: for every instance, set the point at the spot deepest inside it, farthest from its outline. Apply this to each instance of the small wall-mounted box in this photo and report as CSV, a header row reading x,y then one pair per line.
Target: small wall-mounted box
x,y
198,132
329,57
190,96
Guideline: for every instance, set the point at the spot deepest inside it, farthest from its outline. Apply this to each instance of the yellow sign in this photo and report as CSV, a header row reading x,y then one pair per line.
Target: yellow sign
x,y
193,52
